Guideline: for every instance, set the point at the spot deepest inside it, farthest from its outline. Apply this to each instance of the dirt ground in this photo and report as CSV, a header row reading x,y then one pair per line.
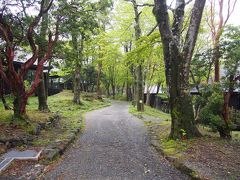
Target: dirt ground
x,y
209,156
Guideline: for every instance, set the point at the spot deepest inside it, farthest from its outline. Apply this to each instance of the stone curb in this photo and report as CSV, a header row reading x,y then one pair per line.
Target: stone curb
x,y
56,149
178,164
51,152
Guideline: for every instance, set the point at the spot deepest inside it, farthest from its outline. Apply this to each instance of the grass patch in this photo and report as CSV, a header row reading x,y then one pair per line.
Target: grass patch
x,y
161,130
149,111
72,115
174,147
61,104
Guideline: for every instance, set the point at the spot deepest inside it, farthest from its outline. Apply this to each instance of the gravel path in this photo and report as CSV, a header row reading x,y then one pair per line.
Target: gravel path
x,y
113,146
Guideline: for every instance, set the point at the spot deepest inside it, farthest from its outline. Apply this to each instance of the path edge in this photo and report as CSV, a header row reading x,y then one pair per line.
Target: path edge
x,y
177,163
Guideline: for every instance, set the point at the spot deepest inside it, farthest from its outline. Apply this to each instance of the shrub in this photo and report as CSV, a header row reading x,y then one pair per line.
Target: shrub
x,y
212,102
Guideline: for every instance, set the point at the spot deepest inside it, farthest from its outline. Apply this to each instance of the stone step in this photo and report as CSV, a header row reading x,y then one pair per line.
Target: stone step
x,y
5,163
8,157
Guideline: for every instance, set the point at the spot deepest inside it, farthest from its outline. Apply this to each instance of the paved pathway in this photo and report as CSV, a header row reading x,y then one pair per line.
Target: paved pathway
x,y
114,146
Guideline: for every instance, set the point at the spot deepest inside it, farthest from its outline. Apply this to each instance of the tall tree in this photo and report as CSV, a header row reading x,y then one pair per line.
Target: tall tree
x,y
178,61
217,29
11,39
139,69
81,25
231,55
42,44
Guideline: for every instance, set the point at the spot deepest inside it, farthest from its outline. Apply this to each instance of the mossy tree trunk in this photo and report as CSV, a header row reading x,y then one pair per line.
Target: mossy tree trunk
x,y
78,60
177,63
20,103
42,44
77,86
138,95
148,98
99,72
225,132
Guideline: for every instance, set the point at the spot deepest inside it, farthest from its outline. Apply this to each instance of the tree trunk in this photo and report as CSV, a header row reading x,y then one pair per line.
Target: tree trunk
x,y
180,100
78,59
177,63
139,93
99,93
148,99
123,86
6,106
42,98
128,92
77,86
139,73
113,90
41,90
19,105
134,87
108,89
215,58
158,87
226,131
218,27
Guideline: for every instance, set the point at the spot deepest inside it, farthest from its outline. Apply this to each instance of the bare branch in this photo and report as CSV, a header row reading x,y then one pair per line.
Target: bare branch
x,y
143,5
230,11
152,30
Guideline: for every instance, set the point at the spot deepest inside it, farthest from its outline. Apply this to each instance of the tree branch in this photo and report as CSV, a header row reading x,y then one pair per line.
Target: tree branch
x,y
178,20
31,41
191,35
152,30
51,43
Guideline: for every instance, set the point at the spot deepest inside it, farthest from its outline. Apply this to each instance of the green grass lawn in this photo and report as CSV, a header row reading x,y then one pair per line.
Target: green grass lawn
x,y
61,103
149,111
71,115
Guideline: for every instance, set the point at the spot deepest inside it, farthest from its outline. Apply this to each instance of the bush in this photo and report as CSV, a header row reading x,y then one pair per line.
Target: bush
x,y
212,102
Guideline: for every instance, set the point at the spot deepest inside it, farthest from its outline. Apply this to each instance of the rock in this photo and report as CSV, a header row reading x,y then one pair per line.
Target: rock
x,y
42,125
147,171
54,120
50,154
155,143
37,129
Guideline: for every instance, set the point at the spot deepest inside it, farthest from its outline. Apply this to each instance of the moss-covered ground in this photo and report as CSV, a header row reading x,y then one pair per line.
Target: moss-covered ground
x,y
60,104
209,156
148,111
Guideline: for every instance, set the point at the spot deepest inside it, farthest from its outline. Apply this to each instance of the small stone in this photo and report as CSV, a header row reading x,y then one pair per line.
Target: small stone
x,y
147,171
37,165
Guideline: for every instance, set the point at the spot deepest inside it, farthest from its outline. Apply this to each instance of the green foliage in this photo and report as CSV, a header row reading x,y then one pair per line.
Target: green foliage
x,y
82,22
211,101
27,85
183,132
230,49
